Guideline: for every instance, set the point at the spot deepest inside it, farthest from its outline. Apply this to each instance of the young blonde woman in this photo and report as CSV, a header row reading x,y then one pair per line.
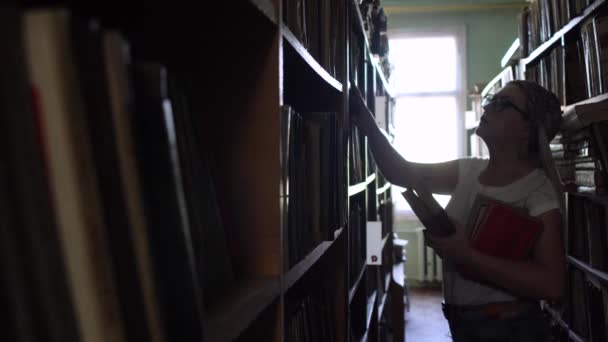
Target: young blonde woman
x,y
487,298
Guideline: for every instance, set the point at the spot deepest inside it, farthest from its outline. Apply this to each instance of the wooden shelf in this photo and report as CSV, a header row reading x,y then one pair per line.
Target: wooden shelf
x,y
383,189
546,47
302,267
299,269
353,289
226,320
595,273
512,55
381,304
495,80
398,273
266,8
357,188
387,281
308,86
570,108
590,196
556,316
369,309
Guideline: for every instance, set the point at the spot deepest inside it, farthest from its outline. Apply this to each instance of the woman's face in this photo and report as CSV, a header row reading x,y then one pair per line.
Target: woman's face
x,y
504,118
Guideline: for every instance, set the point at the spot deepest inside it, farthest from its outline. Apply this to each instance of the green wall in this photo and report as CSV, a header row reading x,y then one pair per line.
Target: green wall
x,y
488,35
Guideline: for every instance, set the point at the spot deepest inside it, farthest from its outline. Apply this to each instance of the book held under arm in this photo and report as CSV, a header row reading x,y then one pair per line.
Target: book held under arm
x,y
501,230
428,211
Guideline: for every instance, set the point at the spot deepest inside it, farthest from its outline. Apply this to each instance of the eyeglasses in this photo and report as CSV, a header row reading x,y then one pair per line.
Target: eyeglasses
x,y
499,103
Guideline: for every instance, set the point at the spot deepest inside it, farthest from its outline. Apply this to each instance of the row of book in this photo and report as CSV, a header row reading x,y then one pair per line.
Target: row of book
x,y
543,18
357,156
594,41
104,164
318,26
579,70
584,312
587,236
357,238
309,319
310,166
549,73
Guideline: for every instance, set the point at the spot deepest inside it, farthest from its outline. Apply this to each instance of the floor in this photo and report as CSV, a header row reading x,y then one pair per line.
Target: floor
x,y
425,321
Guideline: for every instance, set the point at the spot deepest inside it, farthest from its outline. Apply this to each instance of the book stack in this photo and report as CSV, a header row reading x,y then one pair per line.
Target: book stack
x,y
580,151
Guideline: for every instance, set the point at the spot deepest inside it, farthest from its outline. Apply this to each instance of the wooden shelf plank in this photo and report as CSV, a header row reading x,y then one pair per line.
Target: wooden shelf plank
x,y
590,196
266,8
357,188
512,54
381,304
387,281
597,274
495,80
369,309
308,86
353,289
546,47
398,273
556,316
299,269
383,189
226,320
570,108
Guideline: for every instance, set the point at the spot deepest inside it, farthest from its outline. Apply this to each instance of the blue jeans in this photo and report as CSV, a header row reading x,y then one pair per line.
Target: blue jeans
x,y
529,325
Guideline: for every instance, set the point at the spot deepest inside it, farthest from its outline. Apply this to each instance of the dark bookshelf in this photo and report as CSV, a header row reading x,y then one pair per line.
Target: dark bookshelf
x,y
222,91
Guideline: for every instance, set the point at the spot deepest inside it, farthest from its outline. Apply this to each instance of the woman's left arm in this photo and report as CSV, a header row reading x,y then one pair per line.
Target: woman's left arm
x,y
540,277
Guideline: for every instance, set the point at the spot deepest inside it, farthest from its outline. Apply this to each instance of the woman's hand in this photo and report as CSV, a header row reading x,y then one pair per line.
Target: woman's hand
x,y
455,247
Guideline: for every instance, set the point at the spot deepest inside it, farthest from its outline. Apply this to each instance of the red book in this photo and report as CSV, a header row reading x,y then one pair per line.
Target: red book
x,y
502,230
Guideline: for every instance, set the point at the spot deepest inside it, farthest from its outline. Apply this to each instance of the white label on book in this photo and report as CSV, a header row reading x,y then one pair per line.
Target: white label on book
x,y
374,243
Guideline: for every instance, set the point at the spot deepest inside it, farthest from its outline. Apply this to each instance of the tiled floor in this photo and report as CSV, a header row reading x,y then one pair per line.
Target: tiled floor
x,y
425,321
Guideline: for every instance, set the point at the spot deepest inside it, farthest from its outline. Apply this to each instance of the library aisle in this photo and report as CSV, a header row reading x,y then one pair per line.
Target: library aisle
x,y
425,321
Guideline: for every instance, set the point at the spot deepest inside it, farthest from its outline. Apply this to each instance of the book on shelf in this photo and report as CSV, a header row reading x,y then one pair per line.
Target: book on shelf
x,y
427,209
37,299
309,318
310,168
501,230
73,182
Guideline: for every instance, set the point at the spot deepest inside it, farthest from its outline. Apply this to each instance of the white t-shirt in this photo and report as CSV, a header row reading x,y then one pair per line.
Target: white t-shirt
x,y
533,192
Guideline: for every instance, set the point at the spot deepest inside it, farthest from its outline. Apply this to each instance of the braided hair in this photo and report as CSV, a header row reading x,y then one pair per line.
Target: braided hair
x,y
545,117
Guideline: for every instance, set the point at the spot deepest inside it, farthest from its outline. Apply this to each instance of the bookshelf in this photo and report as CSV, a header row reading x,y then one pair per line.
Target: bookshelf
x,y
563,49
217,188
